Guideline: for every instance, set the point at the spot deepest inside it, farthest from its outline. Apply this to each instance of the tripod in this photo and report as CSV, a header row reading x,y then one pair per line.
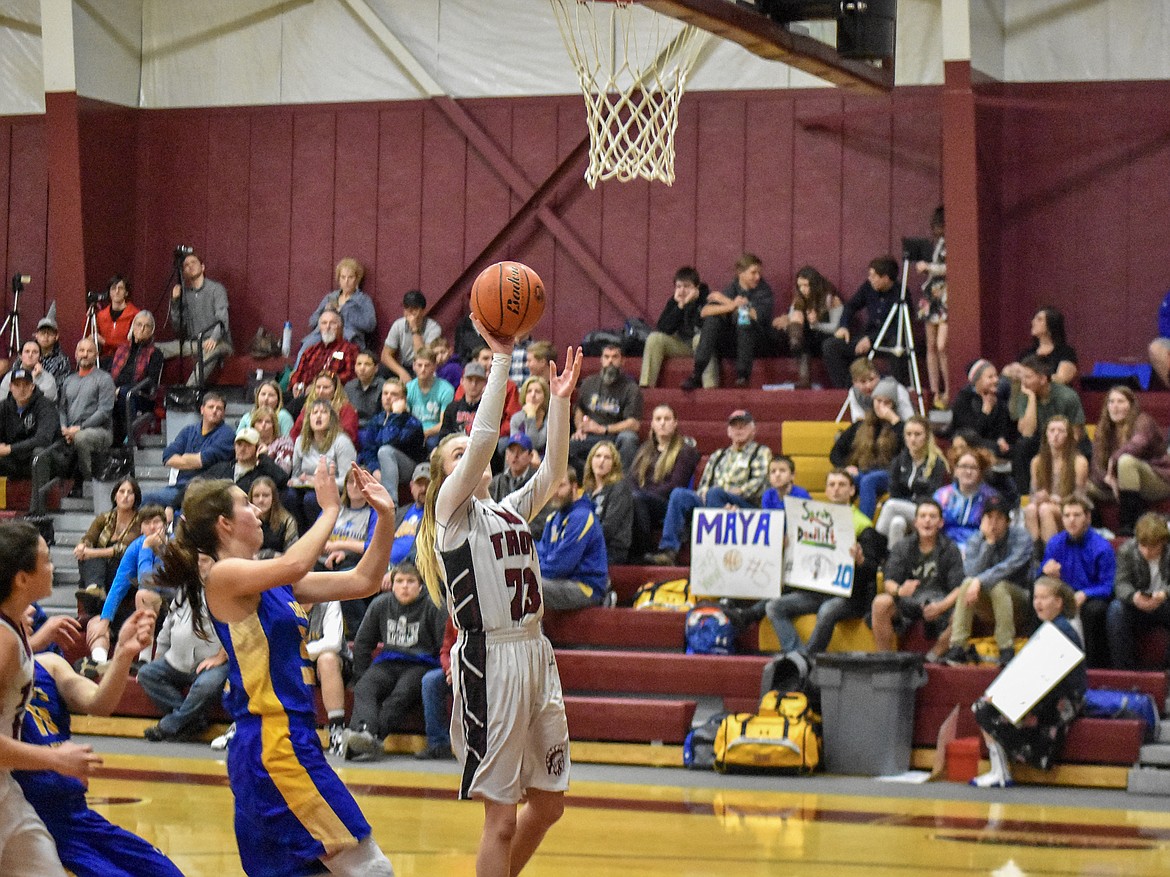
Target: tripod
x,y
12,321
898,319
91,325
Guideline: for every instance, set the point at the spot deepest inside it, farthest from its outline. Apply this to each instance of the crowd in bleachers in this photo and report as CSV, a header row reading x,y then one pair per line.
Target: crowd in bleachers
x,y
943,537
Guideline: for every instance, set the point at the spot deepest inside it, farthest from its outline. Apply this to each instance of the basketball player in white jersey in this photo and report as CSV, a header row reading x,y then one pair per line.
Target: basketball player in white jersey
x,y
26,574
508,725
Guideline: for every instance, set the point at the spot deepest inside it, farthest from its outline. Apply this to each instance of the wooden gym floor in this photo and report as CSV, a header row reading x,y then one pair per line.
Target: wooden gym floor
x,y
660,822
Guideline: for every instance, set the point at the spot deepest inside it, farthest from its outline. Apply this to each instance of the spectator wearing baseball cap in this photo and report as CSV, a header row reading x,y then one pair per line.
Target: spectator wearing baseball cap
x,y
411,516
249,464
996,563
519,467
735,475
460,414
407,335
28,422
868,447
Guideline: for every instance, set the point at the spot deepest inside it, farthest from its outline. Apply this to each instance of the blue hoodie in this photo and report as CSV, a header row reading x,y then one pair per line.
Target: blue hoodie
x,y
573,547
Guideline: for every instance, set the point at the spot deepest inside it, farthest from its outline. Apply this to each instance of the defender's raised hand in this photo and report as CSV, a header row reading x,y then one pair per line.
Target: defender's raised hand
x,y
562,384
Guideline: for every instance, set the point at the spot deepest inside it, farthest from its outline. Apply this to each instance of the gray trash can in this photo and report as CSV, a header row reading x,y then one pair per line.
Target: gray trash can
x,y
867,703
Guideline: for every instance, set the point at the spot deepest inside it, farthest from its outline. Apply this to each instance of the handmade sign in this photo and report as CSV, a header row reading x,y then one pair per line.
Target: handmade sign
x,y
737,553
820,543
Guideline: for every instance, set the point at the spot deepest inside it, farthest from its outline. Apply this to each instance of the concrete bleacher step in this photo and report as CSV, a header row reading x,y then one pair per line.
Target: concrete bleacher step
x,y
1143,780
1155,755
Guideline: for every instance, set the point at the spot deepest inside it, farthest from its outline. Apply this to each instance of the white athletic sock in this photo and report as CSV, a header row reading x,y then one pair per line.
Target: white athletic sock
x,y
1000,774
99,654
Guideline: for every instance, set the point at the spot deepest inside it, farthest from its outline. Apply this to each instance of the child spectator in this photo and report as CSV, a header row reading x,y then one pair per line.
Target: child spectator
x,y
364,390
410,628
782,478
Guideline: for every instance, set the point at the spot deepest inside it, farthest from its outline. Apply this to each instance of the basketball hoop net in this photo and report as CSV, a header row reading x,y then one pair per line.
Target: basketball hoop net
x,y
633,70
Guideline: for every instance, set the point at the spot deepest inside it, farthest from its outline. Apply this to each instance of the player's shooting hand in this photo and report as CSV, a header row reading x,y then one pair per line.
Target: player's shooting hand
x,y
562,384
496,343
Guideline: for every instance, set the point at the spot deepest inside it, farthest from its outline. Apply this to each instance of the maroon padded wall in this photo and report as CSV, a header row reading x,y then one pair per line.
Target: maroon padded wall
x,y
274,196
24,204
1076,195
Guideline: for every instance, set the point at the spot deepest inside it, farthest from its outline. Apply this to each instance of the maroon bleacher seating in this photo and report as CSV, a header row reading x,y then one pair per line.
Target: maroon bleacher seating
x,y
628,719
624,628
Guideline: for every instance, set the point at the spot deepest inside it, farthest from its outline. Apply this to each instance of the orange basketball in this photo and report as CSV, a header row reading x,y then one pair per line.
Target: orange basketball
x,y
508,298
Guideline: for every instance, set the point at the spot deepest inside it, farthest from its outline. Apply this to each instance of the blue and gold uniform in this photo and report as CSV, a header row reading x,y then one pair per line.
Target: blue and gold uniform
x,y
291,808
89,845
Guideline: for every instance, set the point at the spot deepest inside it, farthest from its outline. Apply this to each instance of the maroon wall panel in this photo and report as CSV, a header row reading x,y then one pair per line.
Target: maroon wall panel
x,y
817,188
355,183
721,236
400,150
443,205
228,208
575,297
316,163
5,182
273,196
108,137
673,216
27,224
537,158
265,289
1081,190
767,195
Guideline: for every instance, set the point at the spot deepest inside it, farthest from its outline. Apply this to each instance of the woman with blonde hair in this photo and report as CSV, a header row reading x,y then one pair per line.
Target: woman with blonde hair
x,y
1039,736
666,460
348,299
322,440
275,443
508,726
613,501
1130,465
1058,472
268,395
327,387
532,418
915,474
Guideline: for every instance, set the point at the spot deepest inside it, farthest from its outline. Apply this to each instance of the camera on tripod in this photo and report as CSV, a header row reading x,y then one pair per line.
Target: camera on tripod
x,y
95,299
182,251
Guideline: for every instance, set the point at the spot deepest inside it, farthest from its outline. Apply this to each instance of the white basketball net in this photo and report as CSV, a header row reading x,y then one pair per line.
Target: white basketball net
x,y
633,71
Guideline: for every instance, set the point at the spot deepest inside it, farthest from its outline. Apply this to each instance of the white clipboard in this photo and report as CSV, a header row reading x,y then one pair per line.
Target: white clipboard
x,y
1046,659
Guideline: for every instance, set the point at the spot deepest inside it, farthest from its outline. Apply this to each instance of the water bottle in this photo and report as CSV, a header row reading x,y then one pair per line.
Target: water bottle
x,y
744,317
286,339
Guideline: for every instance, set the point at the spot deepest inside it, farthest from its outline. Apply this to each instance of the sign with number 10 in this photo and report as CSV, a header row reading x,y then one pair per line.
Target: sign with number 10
x,y
820,540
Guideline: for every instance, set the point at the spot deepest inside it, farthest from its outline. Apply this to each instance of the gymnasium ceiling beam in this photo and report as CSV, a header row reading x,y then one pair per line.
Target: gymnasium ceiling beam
x,y
761,36
535,197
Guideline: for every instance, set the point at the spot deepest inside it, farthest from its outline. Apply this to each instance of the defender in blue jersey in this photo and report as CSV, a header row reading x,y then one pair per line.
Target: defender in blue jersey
x,y
508,725
293,815
89,845
26,575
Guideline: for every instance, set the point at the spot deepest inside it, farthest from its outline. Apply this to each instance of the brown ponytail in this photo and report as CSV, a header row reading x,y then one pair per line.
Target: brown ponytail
x,y
206,501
